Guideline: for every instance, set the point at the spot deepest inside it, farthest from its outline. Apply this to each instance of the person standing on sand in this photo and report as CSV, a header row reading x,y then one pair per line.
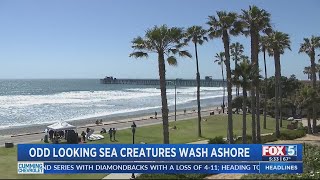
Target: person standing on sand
x,y
83,134
114,134
51,134
155,115
110,133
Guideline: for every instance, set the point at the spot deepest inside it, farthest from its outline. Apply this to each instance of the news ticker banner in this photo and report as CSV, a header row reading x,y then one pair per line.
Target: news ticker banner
x,y
159,167
159,152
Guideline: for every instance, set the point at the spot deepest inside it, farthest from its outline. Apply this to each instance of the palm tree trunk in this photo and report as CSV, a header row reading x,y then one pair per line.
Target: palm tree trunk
x,y
237,86
314,84
244,116
319,73
265,91
258,91
254,52
280,95
162,75
198,91
224,87
309,122
258,113
225,39
276,59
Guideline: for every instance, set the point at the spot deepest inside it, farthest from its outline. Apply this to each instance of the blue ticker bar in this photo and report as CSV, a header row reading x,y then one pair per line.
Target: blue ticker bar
x,y
189,168
152,152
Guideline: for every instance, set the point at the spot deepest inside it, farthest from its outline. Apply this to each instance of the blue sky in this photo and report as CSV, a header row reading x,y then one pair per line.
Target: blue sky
x,y
92,38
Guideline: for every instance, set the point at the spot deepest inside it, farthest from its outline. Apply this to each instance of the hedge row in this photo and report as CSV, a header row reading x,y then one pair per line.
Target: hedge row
x,y
284,135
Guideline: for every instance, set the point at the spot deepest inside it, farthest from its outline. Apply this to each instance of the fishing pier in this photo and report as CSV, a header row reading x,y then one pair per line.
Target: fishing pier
x,y
207,82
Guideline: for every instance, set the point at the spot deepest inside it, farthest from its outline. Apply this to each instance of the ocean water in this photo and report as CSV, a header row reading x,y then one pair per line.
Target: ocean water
x,y
27,102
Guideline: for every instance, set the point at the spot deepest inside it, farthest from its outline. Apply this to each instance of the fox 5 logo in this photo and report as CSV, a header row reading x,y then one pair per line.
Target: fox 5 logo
x,y
279,150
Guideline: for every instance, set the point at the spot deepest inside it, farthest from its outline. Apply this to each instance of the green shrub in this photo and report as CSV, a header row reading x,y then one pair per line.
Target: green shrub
x,y
239,140
292,134
268,138
264,139
217,140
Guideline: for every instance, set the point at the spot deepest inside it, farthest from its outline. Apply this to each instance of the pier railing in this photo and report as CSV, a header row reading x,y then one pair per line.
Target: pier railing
x,y
179,82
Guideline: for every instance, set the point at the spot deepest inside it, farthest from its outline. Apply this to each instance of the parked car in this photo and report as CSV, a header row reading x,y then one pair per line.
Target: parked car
x,y
290,119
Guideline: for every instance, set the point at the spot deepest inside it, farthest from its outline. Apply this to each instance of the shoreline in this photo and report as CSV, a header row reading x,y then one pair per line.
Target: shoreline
x,y
37,134
80,122
90,122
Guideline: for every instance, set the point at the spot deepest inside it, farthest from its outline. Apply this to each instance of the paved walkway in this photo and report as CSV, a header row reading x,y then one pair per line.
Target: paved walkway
x,y
120,176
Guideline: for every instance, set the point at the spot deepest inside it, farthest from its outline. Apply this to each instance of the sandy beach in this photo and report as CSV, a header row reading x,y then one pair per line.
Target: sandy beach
x,y
35,132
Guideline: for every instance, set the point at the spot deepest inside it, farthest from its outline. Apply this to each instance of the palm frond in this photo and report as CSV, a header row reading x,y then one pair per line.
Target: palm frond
x,y
309,45
196,34
173,51
277,42
254,18
161,40
139,54
172,61
185,54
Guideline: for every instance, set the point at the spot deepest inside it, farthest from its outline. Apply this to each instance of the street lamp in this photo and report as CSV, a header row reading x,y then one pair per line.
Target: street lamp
x,y
175,100
133,129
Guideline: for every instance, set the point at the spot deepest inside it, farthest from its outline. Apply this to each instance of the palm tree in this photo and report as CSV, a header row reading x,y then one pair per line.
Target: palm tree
x,y
243,74
309,47
224,25
220,60
197,35
307,70
162,41
254,21
277,43
263,45
318,69
307,97
236,52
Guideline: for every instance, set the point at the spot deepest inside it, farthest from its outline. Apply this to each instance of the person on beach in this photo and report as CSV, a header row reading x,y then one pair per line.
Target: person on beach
x,y
155,115
103,131
114,134
110,134
46,134
61,134
51,134
184,111
83,134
